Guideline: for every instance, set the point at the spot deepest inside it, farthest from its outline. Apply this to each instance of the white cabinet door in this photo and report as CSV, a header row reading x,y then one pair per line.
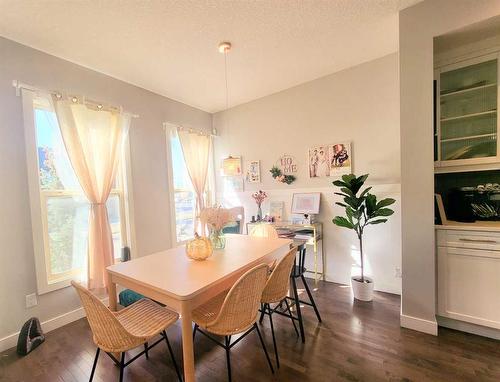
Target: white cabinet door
x,y
469,285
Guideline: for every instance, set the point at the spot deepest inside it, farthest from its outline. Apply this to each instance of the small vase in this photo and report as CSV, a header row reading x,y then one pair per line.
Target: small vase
x,y
259,213
218,239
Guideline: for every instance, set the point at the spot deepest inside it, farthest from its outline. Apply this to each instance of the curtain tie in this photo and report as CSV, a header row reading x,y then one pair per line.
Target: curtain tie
x,y
97,204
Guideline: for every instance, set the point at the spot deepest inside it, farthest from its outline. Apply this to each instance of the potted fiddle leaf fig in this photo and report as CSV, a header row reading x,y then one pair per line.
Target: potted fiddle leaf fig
x,y
361,210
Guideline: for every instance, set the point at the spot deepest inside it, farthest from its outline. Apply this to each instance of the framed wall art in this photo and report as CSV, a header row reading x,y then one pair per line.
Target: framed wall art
x,y
253,171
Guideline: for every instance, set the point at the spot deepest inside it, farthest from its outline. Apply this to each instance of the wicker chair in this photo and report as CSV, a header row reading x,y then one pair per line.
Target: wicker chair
x,y
234,312
276,291
118,332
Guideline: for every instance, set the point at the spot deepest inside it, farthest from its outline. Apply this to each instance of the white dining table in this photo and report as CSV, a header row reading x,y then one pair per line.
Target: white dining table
x,y
183,284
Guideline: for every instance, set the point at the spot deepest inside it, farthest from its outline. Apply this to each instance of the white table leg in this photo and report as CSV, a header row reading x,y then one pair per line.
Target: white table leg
x,y
187,343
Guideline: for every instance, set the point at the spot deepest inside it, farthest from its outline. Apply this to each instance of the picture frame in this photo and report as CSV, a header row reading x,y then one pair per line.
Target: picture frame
x,y
276,209
330,160
306,203
340,158
253,171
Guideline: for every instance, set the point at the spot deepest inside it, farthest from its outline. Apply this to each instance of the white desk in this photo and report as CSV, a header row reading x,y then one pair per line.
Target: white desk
x,y
183,284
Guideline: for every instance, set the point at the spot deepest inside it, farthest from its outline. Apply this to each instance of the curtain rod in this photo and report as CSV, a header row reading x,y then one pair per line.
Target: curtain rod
x,y
190,129
19,85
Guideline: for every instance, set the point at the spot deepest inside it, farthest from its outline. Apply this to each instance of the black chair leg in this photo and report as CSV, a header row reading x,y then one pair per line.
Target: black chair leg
x,y
179,375
264,347
195,330
122,366
146,350
297,306
311,298
274,339
228,356
262,311
291,316
95,364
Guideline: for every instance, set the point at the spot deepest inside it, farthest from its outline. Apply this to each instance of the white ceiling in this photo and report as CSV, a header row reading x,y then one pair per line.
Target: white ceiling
x,y
170,47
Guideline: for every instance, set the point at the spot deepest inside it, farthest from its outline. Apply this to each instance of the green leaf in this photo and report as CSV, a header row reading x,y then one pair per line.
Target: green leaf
x,y
339,183
378,221
348,178
342,222
341,204
349,212
383,212
385,202
347,191
353,202
365,191
371,204
341,194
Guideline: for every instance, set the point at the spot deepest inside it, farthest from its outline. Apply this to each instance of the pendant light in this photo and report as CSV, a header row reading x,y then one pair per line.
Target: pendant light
x,y
231,166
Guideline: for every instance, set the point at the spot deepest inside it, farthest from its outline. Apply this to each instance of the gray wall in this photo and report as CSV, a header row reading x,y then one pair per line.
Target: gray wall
x,y
359,104
148,162
417,27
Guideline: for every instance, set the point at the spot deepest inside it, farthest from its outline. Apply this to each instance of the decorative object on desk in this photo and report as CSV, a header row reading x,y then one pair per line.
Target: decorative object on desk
x,y
215,218
259,197
200,248
231,166
280,177
30,336
287,164
340,158
319,162
276,210
253,171
361,210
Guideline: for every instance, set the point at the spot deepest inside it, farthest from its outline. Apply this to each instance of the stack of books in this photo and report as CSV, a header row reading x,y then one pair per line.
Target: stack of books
x,y
285,233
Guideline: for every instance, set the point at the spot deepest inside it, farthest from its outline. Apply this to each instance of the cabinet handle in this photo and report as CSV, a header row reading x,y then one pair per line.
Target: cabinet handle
x,y
478,241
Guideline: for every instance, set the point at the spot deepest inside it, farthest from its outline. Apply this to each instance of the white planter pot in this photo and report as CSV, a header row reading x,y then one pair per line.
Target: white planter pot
x,y
362,291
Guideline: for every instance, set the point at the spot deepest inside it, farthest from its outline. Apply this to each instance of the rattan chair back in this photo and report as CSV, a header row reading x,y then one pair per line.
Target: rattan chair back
x,y
109,333
240,308
278,282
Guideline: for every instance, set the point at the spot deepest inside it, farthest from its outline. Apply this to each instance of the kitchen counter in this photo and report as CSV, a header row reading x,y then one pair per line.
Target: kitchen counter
x,y
490,226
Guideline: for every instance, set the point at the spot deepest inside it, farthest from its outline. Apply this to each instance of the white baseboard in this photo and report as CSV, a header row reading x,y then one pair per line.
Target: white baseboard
x,y
47,326
419,324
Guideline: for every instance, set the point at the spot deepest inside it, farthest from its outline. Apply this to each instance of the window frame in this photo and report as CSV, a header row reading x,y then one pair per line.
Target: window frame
x,y
171,129
39,197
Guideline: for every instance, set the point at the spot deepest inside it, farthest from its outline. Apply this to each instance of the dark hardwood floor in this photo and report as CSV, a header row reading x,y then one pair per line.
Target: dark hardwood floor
x,y
356,342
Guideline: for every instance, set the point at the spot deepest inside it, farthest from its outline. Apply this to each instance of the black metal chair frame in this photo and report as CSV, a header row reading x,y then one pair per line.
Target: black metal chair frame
x,y
227,345
297,272
122,364
266,309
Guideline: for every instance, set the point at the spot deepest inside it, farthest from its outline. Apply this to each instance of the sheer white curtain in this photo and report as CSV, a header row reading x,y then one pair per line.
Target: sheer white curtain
x,y
93,135
196,151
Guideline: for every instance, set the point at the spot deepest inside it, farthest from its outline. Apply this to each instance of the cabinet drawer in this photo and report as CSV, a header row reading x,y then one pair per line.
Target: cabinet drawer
x,y
468,285
469,239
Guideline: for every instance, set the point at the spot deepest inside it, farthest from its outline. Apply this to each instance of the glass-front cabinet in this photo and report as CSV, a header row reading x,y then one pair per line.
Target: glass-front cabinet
x,y
466,123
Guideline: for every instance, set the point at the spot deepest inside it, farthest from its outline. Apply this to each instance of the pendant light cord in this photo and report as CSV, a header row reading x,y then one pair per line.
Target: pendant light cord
x,y
225,76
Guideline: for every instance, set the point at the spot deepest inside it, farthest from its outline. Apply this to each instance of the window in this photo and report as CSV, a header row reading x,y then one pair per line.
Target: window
x,y
184,198
60,210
